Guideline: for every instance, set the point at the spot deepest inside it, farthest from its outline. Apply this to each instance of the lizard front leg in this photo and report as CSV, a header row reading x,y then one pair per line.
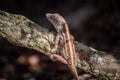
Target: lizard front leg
x,y
55,44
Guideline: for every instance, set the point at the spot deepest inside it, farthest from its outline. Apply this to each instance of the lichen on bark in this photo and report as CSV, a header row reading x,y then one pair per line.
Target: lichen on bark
x,y
21,31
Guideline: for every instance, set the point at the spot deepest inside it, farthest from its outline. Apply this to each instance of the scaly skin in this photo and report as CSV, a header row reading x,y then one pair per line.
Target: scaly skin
x,y
64,39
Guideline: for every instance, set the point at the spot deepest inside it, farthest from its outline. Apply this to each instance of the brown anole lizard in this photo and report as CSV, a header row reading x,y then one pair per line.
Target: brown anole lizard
x,y
64,40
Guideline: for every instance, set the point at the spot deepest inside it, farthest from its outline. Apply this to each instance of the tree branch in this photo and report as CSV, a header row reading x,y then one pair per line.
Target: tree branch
x,y
20,31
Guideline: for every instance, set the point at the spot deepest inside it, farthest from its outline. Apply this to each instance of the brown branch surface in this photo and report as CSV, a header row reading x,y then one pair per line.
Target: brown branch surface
x,y
20,31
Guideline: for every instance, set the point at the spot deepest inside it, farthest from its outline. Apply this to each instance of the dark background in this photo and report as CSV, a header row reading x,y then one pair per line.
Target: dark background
x,y
95,23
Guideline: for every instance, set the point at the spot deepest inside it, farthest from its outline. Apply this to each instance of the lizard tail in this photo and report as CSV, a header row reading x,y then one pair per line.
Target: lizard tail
x,y
74,72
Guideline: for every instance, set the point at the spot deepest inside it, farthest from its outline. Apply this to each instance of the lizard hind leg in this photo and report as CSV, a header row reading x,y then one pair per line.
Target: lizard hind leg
x,y
55,57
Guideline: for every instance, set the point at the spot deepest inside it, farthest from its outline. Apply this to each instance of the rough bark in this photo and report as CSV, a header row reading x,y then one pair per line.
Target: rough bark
x,y
20,31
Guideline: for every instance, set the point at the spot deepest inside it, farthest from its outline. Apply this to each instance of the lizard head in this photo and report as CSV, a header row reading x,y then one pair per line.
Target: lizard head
x,y
56,20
